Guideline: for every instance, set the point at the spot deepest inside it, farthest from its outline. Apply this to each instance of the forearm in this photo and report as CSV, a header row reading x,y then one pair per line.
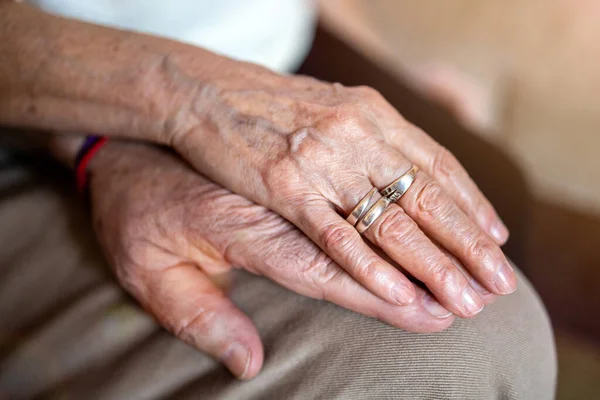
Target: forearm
x,y
64,75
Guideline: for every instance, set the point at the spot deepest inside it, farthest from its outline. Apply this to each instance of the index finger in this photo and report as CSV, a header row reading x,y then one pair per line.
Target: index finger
x,y
295,262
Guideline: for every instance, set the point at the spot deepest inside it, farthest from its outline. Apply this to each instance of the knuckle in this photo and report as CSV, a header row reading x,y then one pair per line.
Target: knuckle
x,y
442,275
480,247
199,325
368,269
395,224
279,176
320,271
348,115
339,122
337,238
431,199
316,267
445,165
350,119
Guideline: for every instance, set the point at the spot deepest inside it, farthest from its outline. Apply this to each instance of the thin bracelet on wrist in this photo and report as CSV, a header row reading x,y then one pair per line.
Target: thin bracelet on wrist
x,y
85,154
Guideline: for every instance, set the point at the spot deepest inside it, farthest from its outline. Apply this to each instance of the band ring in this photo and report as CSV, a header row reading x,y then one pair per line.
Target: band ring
x,y
396,189
374,212
361,208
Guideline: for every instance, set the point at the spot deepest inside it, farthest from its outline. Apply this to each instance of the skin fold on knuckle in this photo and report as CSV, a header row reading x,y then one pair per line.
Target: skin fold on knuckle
x,y
430,202
446,168
444,165
338,238
274,248
283,184
479,249
344,121
201,325
277,251
320,272
394,225
443,278
369,270
476,247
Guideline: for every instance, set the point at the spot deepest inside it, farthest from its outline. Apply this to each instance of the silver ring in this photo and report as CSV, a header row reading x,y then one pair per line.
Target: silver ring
x,y
374,212
361,208
396,189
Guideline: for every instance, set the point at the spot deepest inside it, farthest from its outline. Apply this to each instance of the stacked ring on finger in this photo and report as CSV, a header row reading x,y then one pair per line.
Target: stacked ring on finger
x,y
361,208
390,194
396,189
374,212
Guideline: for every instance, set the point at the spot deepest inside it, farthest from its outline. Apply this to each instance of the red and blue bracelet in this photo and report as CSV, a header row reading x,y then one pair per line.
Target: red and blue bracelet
x,y
85,154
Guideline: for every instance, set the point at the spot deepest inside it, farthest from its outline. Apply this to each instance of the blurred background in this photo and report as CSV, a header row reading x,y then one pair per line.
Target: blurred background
x,y
523,77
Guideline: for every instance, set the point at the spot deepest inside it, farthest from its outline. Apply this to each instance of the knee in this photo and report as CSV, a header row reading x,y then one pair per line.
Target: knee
x,y
505,352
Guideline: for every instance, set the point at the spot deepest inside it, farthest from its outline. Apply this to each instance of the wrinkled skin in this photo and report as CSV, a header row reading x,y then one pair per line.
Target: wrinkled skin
x,y
171,235
310,150
305,149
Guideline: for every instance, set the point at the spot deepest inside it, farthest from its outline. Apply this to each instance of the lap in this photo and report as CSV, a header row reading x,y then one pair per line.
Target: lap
x,y
68,329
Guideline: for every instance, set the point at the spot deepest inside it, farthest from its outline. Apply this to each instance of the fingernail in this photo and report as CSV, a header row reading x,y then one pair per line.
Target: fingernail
x,y
472,302
403,294
434,308
506,281
499,232
237,359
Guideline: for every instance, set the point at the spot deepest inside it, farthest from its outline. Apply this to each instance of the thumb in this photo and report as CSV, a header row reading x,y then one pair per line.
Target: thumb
x,y
191,306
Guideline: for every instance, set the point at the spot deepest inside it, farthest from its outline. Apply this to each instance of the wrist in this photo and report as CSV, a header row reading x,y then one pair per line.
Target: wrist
x,y
65,147
85,155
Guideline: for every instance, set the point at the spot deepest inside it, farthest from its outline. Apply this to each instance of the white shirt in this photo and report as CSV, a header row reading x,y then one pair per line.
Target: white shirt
x,y
273,33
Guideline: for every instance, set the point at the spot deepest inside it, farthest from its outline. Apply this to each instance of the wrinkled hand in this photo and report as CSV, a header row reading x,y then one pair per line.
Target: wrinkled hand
x,y
310,151
170,233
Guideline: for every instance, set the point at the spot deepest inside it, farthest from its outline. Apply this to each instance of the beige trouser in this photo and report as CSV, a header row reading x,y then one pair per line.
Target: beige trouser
x,y
68,331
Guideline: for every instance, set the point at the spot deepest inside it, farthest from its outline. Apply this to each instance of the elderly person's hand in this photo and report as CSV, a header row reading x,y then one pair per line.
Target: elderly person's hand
x,y
307,150
310,151
170,233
